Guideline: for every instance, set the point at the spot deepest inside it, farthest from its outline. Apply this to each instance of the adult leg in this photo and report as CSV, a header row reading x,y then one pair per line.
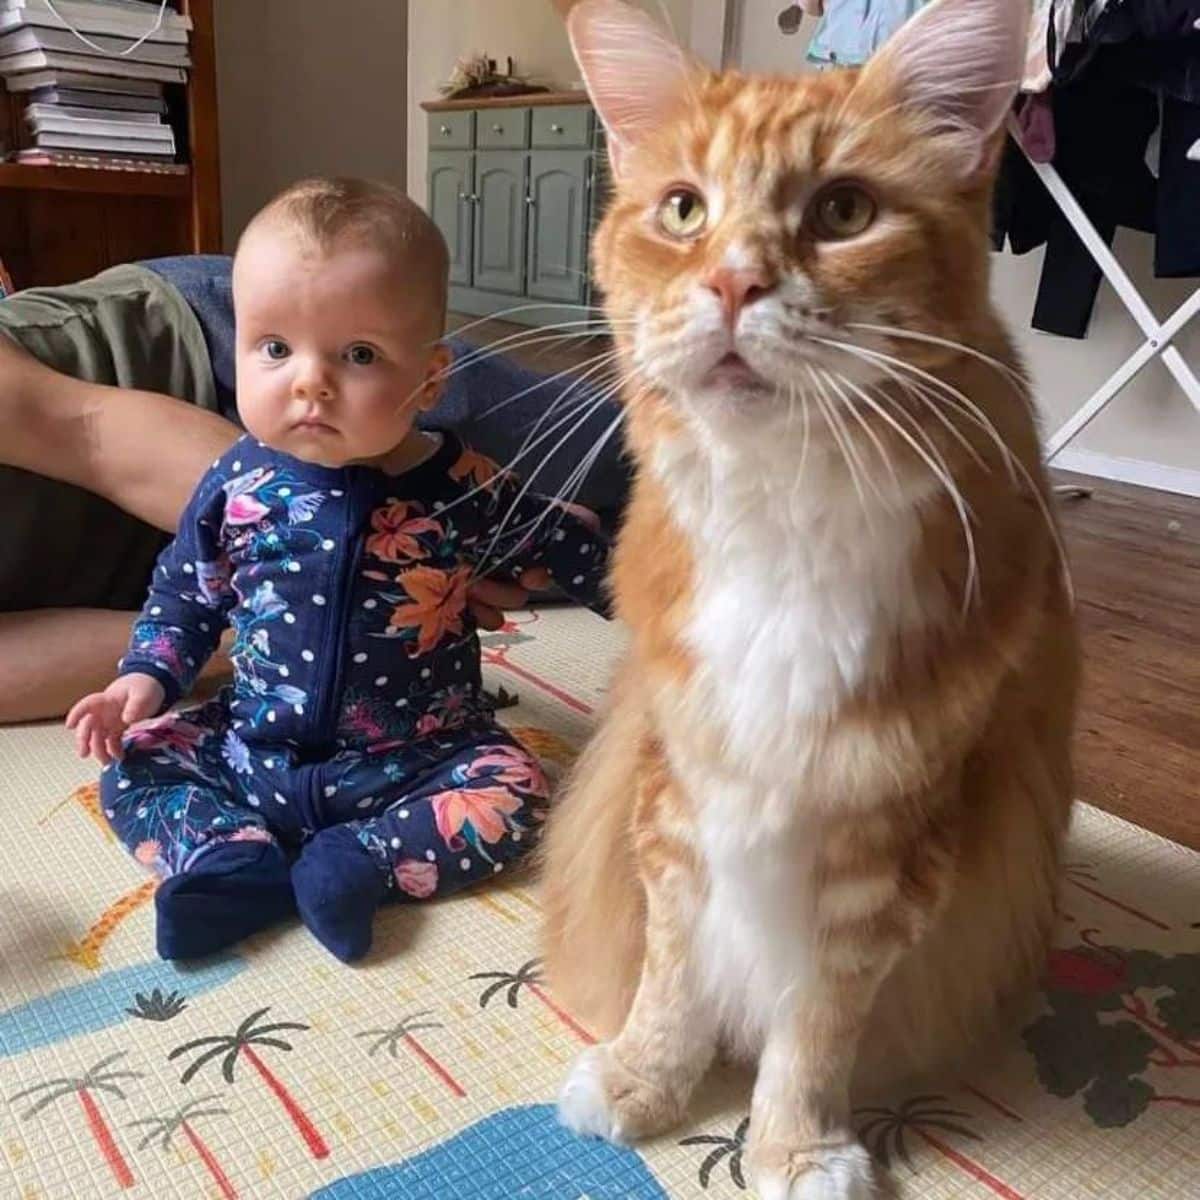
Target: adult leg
x,y
448,814
171,801
50,657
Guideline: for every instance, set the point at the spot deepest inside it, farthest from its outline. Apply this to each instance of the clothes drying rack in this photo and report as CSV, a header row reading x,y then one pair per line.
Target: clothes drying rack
x,y
1159,335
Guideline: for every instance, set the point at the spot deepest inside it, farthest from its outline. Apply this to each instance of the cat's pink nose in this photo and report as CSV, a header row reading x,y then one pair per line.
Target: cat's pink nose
x,y
737,287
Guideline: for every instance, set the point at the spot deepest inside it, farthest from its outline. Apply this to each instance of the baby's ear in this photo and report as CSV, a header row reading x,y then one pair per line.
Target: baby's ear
x,y
435,377
633,69
960,63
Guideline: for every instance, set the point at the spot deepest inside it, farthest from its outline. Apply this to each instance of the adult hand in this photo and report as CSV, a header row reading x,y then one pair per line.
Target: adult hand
x,y
490,599
100,719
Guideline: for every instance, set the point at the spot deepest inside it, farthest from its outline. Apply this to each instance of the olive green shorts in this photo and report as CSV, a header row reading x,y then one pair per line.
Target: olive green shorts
x,y
63,546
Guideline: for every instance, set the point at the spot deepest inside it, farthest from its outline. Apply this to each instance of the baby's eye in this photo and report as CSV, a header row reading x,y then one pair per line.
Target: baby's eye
x,y
361,355
273,348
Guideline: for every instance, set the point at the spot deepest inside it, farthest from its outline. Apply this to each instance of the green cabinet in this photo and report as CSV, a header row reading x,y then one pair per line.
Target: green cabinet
x,y
517,204
500,221
555,268
451,185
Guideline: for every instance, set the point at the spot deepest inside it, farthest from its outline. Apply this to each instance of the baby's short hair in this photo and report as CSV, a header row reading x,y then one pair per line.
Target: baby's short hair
x,y
334,211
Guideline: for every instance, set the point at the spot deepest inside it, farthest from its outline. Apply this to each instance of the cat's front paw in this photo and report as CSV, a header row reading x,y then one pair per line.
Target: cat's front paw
x,y
601,1098
825,1173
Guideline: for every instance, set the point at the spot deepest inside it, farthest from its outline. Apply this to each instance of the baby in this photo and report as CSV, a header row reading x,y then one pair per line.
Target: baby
x,y
355,754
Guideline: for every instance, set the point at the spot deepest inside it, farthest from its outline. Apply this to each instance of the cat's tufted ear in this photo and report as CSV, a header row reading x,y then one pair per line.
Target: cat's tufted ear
x,y
960,62
633,69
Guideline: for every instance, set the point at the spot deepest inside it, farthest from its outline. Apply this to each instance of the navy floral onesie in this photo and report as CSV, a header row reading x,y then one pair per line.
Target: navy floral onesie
x,y
355,753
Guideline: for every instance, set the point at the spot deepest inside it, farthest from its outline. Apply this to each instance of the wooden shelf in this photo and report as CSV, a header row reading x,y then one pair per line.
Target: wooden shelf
x,y
27,177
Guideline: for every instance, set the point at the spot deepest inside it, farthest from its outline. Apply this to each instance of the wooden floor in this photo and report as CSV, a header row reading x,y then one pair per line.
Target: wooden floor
x,y
1135,559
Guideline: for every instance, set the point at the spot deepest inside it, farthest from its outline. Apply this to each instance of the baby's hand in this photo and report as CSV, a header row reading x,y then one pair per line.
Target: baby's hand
x,y
100,719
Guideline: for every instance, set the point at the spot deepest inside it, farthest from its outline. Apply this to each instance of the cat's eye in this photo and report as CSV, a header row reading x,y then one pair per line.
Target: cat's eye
x,y
683,213
841,211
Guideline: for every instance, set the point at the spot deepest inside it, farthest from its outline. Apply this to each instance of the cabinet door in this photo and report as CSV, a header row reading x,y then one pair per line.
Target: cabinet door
x,y
500,220
558,184
450,184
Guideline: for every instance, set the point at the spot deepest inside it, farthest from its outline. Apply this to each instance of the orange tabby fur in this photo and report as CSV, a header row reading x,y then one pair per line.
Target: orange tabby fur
x,y
923,793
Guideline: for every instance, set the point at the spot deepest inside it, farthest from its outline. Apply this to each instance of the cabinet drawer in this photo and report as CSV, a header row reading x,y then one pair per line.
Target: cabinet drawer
x,y
561,128
502,128
451,130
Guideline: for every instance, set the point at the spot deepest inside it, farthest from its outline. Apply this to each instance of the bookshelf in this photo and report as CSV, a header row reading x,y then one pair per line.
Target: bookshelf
x,y
59,224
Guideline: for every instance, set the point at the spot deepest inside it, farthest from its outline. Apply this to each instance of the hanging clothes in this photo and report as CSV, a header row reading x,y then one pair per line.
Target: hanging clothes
x,y
852,30
1119,61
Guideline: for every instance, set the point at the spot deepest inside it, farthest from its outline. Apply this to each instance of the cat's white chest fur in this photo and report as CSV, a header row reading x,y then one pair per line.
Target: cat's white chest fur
x,y
799,592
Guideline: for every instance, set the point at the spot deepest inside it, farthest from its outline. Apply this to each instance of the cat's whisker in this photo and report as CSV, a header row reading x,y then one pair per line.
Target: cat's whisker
x,y
860,464
602,359
928,399
523,340
962,404
943,474
573,388
589,409
572,486
1015,466
473,357
895,331
826,408
871,434
805,436
504,312
573,411
885,361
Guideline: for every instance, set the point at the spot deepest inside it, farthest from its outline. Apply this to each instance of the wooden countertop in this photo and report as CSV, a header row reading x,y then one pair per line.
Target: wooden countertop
x,y
528,100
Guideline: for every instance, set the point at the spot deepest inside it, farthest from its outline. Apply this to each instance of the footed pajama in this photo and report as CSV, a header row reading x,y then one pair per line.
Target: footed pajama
x,y
355,755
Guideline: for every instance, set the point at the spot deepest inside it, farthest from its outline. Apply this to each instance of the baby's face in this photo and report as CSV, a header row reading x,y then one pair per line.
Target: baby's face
x,y
334,359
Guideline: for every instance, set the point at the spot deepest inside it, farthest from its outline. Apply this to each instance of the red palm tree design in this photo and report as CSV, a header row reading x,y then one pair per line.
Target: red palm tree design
x,y
402,1032
241,1044
97,1079
885,1131
528,976
163,1130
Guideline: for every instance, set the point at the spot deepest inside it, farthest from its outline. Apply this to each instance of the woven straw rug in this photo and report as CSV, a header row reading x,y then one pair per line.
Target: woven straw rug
x,y
428,1073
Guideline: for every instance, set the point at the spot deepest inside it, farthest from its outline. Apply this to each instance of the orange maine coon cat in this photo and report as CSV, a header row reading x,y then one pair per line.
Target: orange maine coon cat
x,y
819,827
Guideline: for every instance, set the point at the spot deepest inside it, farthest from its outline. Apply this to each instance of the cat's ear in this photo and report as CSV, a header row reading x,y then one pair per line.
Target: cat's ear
x,y
960,62
632,67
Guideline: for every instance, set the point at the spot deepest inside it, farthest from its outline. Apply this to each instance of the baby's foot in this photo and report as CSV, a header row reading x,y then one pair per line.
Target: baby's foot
x,y
338,888
232,890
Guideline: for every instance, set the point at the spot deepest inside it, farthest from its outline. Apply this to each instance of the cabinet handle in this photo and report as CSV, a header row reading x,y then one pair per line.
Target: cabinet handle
x,y
555,128
445,129
497,128
530,201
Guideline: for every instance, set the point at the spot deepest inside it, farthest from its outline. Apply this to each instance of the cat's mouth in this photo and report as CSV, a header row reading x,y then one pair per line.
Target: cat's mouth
x,y
733,371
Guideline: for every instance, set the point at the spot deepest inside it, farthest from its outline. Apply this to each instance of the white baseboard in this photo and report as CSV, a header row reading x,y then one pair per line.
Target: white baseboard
x,y
1130,470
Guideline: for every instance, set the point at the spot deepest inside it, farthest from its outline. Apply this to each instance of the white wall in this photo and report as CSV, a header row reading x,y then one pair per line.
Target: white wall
x,y
1150,425
308,87
441,31
760,46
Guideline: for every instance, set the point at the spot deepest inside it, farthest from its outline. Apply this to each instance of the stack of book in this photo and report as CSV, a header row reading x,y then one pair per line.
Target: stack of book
x,y
91,101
